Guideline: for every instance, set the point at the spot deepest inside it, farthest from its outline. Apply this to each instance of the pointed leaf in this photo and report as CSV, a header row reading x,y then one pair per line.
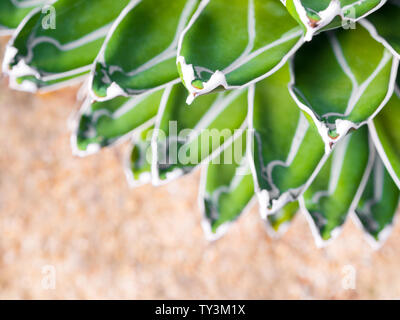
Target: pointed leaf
x,y
378,203
340,84
385,134
287,149
40,57
185,136
227,189
100,124
338,187
315,15
232,45
152,28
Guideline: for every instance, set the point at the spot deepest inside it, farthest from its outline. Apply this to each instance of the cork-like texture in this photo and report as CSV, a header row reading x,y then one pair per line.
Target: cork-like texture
x,y
77,222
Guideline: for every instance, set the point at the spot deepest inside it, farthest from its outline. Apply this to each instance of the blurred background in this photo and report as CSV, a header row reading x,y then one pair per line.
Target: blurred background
x,y
71,228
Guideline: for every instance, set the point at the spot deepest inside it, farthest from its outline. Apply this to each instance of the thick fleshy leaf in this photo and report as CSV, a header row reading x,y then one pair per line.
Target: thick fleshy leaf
x,y
12,12
278,222
185,136
338,187
384,26
384,131
315,15
138,164
339,83
100,124
229,45
140,52
39,57
378,203
287,150
227,188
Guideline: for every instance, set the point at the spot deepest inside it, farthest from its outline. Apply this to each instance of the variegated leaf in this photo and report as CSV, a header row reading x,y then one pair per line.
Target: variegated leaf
x,y
339,185
384,26
384,132
315,15
138,164
40,56
100,124
340,84
378,204
227,188
229,45
278,222
185,136
287,150
140,51
12,12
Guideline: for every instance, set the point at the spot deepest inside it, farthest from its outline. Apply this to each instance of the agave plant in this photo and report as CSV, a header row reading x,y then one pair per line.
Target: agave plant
x,y
293,103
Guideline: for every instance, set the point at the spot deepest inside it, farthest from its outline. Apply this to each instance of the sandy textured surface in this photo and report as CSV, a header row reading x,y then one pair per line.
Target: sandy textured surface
x,y
103,240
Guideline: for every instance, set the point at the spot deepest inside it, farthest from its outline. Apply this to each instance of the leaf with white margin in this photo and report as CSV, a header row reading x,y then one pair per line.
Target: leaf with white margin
x,y
12,12
185,136
227,189
101,124
378,204
384,26
140,51
339,83
47,58
286,149
338,187
138,164
384,131
231,45
278,223
315,15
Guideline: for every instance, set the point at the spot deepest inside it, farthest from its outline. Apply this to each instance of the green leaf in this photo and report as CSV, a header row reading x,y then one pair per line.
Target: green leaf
x,y
229,45
314,15
338,187
138,165
277,223
152,28
12,12
287,150
185,136
39,57
227,188
384,26
384,131
100,124
378,204
340,84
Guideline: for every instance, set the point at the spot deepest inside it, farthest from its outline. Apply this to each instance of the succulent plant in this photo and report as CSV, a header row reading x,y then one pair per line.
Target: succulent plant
x,y
294,103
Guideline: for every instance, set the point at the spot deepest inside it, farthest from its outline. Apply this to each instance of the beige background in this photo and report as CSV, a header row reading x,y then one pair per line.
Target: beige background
x,y
107,241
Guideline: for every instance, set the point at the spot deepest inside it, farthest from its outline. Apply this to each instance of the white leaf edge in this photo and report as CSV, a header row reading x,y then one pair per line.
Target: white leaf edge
x,y
177,172
321,243
22,69
333,10
342,126
262,194
205,222
379,147
218,78
73,125
384,234
114,89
